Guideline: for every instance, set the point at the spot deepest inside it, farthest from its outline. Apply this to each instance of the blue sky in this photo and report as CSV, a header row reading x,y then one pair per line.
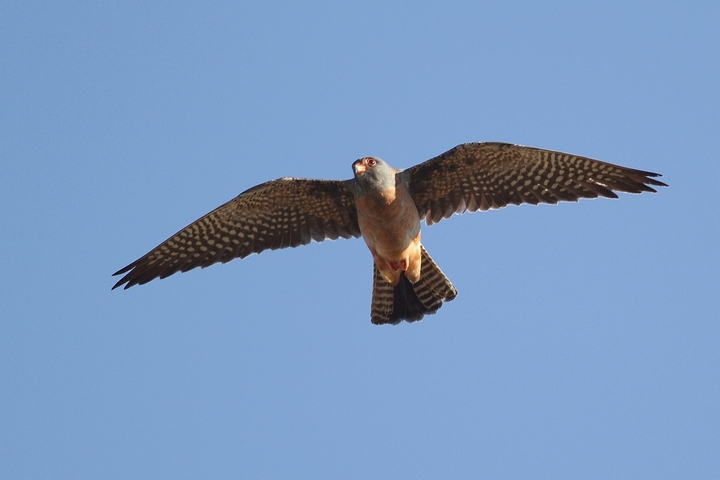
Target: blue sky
x,y
585,339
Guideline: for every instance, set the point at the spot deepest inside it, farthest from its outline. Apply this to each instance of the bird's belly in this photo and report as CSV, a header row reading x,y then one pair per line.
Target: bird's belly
x,y
390,230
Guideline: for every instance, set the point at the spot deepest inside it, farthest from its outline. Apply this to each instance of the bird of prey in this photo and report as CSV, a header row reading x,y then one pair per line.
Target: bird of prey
x,y
385,206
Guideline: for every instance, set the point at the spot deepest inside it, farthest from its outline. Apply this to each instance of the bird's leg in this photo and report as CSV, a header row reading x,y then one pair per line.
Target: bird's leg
x,y
410,263
390,275
414,261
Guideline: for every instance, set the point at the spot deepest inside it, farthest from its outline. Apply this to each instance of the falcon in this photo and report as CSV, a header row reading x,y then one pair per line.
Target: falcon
x,y
385,206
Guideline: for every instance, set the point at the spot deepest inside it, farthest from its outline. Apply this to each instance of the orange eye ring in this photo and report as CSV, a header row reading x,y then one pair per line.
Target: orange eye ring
x,y
371,162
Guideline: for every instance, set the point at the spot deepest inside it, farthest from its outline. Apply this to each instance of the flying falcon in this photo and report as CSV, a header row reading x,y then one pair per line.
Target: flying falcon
x,y
385,206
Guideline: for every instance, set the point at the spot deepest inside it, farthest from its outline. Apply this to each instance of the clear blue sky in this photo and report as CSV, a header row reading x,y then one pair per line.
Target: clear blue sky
x,y
585,340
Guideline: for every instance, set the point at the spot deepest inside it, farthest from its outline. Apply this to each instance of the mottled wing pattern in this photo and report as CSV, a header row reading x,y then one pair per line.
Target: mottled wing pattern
x,y
281,213
482,176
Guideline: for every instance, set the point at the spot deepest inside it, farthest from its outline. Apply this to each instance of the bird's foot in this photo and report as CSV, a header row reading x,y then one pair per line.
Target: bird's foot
x,y
401,265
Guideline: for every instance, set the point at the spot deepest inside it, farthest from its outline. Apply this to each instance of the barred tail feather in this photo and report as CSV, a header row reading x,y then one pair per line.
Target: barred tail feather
x,y
407,301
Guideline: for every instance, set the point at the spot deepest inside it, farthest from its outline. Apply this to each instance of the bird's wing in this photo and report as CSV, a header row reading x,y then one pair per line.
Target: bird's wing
x,y
482,176
281,213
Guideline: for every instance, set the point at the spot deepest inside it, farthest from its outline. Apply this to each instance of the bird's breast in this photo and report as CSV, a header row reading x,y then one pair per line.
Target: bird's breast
x,y
389,222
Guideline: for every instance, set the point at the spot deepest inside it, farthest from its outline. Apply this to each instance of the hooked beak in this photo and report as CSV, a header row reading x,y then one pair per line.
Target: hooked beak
x,y
359,167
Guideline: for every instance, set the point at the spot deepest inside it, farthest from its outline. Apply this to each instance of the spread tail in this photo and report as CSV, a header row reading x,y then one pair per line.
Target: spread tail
x,y
407,301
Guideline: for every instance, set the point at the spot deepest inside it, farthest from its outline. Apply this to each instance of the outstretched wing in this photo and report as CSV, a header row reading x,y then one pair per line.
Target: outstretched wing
x,y
482,176
281,213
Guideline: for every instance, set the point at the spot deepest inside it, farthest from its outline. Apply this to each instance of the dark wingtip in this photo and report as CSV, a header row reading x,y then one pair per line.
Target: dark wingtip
x,y
120,283
650,180
657,183
125,279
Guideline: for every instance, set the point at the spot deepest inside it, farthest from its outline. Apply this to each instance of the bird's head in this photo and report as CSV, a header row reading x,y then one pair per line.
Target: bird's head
x,y
371,172
362,165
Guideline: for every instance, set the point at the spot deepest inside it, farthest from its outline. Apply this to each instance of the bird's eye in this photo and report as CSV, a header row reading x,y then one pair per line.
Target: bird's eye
x,y
371,162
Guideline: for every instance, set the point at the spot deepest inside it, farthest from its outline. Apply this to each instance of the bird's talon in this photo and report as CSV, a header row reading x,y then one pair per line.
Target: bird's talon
x,y
401,265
